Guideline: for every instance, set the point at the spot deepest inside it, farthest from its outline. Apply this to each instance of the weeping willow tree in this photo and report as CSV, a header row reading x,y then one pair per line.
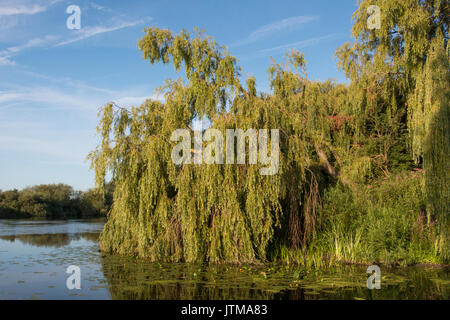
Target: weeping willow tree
x,y
402,70
395,111
430,130
210,212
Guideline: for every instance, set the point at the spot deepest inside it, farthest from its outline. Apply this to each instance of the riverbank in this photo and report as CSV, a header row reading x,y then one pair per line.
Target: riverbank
x,y
54,201
34,257
383,222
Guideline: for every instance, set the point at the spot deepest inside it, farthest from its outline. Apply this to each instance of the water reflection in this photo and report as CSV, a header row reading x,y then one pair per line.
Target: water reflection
x,y
137,279
54,240
20,226
34,256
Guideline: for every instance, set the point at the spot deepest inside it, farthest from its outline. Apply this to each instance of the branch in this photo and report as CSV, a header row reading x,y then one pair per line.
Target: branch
x,y
324,163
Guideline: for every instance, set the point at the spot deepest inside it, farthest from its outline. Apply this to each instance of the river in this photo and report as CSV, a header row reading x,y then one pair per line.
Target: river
x,y
35,255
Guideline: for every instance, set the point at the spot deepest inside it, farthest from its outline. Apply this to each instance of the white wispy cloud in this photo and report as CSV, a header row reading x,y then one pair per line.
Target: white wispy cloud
x,y
298,44
69,82
49,40
7,54
99,7
88,32
39,136
5,61
14,13
9,8
35,42
67,93
9,11
48,97
275,27
81,99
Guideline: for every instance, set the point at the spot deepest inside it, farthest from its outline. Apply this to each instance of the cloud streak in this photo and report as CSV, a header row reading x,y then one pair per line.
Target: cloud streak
x,y
66,93
276,27
35,42
14,8
5,61
87,32
84,33
8,53
99,7
298,44
9,11
48,97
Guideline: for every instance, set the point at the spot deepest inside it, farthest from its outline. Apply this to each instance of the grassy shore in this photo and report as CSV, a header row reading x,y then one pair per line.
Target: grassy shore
x,y
384,222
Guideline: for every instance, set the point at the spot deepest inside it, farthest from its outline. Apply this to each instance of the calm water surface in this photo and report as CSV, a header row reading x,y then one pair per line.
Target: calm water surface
x,y
34,256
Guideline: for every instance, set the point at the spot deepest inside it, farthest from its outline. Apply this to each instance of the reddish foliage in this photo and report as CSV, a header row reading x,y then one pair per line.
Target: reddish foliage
x,y
338,121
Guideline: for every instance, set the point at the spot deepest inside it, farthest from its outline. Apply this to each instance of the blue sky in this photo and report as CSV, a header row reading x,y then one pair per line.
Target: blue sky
x,y
52,79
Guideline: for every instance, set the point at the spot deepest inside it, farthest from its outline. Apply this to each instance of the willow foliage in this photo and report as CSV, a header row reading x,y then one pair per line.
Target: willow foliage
x,y
402,69
430,128
394,111
215,213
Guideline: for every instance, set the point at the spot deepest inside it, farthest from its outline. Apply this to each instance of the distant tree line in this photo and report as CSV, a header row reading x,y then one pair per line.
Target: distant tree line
x,y
54,201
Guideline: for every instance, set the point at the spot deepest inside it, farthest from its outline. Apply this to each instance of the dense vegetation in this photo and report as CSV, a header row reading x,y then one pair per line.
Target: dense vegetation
x,y
54,201
363,171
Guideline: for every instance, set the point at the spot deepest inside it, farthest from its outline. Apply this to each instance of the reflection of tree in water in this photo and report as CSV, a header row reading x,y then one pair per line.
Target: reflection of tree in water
x,y
54,240
136,279
407,283
90,236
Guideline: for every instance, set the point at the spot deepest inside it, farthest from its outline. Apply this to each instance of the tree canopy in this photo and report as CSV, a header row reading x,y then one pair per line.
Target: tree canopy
x,y
55,201
391,117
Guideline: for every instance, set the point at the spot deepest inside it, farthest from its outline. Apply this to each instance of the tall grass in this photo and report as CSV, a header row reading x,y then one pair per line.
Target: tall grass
x,y
384,222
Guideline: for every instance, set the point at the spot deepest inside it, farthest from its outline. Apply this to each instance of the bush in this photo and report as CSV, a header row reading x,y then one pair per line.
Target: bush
x,y
384,222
